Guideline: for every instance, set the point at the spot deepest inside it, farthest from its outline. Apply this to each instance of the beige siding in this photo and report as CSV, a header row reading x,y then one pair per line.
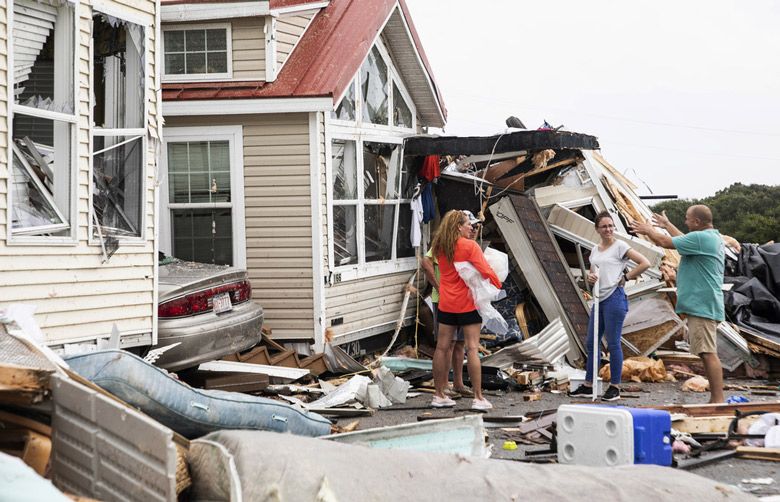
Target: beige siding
x,y
76,296
367,303
289,30
278,216
248,48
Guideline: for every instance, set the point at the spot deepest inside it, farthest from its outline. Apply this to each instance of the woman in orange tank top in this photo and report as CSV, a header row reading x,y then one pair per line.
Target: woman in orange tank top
x,y
456,306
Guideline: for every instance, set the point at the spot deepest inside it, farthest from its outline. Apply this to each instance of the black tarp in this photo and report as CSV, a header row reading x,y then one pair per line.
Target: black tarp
x,y
512,142
753,300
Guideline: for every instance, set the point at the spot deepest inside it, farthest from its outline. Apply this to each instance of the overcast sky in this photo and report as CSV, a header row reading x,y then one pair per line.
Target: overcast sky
x,y
684,95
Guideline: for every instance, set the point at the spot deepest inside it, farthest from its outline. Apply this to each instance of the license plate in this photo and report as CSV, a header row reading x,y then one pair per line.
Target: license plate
x,y
222,303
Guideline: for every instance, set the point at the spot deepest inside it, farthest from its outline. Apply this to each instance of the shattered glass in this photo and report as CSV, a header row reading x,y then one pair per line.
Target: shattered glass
x,y
402,115
119,73
344,169
345,235
381,170
379,222
373,85
43,55
118,184
346,109
33,211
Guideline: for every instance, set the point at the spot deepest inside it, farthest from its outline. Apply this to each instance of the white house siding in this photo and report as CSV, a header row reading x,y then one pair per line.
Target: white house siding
x,y
278,216
289,30
76,296
248,48
367,306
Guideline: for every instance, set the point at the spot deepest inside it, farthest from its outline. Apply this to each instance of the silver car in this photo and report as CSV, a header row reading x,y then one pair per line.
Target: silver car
x,y
207,309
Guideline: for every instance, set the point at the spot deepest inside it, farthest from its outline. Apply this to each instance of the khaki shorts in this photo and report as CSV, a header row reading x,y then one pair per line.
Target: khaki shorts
x,y
702,335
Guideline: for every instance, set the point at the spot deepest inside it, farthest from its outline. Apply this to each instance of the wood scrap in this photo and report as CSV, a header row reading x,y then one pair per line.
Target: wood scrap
x,y
709,424
719,409
757,453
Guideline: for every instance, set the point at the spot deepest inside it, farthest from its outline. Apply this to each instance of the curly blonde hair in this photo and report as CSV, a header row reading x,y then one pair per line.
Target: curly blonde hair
x,y
448,234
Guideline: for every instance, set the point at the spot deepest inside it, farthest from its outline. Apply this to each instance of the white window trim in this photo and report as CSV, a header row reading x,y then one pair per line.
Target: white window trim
x,y
24,240
94,240
361,269
199,77
235,137
393,77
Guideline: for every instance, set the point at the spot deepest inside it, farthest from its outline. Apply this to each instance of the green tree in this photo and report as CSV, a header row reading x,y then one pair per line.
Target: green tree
x,y
749,213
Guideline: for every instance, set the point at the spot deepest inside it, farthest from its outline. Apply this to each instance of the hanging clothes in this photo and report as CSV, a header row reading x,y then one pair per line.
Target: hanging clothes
x,y
429,210
417,220
430,168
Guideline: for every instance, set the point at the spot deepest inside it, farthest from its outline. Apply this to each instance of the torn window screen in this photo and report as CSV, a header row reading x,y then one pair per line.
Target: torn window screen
x,y
118,184
196,51
373,84
346,109
42,150
119,73
345,235
402,115
381,170
43,51
34,211
344,170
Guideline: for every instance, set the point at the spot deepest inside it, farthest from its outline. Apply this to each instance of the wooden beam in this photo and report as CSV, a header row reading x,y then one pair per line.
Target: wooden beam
x,y
756,453
714,410
708,424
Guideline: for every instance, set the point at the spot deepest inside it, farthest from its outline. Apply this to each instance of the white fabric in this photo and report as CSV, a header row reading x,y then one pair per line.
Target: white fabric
x,y
417,218
611,264
498,261
483,292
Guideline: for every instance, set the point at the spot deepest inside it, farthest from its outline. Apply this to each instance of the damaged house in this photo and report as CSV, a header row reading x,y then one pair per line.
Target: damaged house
x,y
79,141
538,192
283,148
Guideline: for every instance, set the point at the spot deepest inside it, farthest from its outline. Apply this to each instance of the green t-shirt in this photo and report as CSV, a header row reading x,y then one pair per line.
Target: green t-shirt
x,y
700,275
434,291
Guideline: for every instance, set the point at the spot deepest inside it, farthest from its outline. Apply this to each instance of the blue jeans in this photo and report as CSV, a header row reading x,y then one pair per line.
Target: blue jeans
x,y
612,313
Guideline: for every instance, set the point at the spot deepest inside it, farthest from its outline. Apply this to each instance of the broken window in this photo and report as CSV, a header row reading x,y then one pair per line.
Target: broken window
x,y
196,51
200,201
43,117
371,209
373,85
119,134
402,115
346,108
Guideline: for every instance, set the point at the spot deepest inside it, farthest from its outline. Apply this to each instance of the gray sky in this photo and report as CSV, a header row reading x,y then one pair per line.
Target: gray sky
x,y
683,96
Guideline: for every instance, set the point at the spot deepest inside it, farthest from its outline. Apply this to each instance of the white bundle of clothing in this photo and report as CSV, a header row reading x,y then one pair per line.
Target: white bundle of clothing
x,y
483,292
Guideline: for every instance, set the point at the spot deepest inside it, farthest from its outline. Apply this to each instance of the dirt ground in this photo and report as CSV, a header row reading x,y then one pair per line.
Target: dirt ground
x,y
731,471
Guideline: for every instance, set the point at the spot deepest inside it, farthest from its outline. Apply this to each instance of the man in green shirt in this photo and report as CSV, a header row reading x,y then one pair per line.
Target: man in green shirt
x,y
699,281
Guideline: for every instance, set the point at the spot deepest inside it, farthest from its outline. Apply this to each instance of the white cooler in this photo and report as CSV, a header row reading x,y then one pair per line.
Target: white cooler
x,y
594,435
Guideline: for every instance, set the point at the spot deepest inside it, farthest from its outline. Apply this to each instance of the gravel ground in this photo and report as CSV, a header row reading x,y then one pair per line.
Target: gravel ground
x,y
731,471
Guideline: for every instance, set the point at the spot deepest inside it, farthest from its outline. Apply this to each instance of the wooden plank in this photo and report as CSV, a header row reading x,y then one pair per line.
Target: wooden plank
x,y
708,424
714,410
23,379
274,371
756,453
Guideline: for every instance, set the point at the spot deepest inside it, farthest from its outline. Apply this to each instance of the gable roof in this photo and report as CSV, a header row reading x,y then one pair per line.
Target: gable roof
x,y
330,54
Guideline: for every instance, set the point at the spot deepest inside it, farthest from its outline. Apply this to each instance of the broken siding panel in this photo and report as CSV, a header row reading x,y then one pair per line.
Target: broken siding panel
x,y
289,30
248,48
366,303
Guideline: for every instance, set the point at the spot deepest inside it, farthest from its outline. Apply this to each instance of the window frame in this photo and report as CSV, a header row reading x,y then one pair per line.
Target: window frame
x,y
200,77
362,268
70,239
142,132
234,134
393,78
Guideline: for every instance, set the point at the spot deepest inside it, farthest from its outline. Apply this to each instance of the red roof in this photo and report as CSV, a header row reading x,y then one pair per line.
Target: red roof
x,y
325,60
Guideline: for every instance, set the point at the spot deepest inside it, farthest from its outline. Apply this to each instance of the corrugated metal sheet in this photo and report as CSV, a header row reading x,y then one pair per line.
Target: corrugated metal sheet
x,y
108,451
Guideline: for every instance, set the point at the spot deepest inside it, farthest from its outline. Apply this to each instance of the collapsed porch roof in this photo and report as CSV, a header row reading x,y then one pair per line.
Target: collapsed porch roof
x,y
512,142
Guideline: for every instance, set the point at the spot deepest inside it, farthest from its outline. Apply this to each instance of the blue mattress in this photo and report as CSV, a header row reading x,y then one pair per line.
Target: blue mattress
x,y
190,412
